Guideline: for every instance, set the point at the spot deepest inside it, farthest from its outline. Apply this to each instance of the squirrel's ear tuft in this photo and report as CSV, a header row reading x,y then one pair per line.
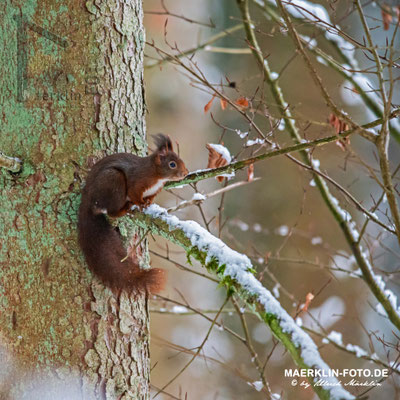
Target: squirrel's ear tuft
x,y
163,143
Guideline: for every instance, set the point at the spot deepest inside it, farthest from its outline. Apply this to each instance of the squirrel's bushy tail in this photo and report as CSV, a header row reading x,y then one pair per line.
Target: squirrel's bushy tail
x,y
104,252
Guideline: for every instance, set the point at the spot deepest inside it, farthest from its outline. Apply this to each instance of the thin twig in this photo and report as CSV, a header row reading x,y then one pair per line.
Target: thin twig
x,y
210,173
350,234
198,349
201,46
217,192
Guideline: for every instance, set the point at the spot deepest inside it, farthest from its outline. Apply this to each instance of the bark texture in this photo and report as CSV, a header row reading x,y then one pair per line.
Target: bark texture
x,y
71,88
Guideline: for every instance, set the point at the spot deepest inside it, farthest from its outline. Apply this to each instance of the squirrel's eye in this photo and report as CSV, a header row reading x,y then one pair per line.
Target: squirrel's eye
x,y
172,164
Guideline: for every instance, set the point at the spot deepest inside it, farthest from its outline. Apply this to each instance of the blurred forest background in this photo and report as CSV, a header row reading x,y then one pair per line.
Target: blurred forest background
x,y
280,221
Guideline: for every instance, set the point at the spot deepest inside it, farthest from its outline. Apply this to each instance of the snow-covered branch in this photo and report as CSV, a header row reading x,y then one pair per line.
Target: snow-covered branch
x,y
335,338
236,273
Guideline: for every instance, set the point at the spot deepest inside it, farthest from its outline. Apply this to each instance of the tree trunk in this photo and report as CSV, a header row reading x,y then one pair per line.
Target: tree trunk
x,y
71,87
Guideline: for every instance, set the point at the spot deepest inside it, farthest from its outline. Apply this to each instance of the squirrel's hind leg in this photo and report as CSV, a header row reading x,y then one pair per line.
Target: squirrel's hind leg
x,y
111,197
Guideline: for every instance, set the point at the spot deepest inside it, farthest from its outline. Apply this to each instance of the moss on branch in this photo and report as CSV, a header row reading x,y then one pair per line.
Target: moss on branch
x,y
259,301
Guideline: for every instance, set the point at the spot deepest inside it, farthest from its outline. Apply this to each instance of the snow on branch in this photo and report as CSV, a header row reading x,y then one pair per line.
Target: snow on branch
x,y
236,273
387,300
317,14
335,338
345,46
237,165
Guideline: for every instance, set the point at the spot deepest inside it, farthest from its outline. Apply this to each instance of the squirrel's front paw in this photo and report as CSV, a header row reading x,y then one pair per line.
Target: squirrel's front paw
x,y
143,205
147,202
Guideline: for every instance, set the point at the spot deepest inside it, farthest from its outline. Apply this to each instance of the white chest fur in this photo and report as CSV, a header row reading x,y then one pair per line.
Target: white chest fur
x,y
155,188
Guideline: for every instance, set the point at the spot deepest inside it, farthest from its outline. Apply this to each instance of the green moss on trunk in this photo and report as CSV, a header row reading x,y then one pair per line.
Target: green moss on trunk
x,y
80,68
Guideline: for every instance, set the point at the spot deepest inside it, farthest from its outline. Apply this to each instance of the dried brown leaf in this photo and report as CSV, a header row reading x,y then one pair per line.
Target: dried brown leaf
x,y
386,17
309,298
242,102
209,104
223,103
339,126
250,173
215,160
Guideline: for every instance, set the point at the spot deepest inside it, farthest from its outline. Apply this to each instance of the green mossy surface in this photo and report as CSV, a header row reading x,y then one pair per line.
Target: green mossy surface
x,y
49,301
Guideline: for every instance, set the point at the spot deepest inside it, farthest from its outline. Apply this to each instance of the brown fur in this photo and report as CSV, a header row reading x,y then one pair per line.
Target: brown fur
x,y
163,142
113,185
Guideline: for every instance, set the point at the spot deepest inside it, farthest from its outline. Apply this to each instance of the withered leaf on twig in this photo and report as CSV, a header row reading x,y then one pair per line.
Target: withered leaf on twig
x,y
386,16
339,126
242,102
209,104
250,173
223,103
309,298
216,159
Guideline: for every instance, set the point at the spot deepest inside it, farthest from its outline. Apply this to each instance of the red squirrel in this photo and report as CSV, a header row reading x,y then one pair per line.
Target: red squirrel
x,y
113,186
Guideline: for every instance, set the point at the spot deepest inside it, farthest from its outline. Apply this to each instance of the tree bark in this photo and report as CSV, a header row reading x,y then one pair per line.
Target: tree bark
x,y
71,87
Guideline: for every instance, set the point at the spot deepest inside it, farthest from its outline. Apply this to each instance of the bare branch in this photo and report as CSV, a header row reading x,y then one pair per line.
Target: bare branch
x,y
206,196
201,46
342,217
13,164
